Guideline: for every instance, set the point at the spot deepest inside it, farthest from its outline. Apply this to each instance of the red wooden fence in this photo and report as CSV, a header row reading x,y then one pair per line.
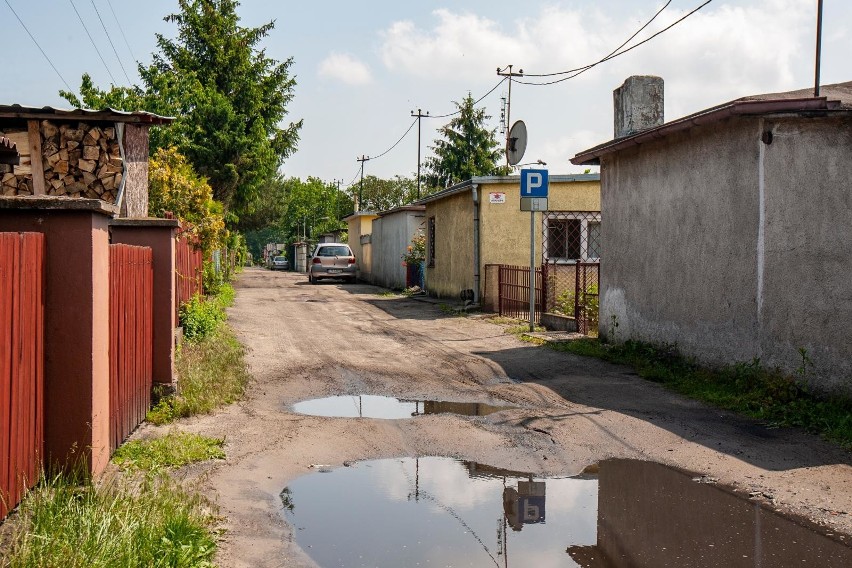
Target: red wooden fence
x,y
131,332
188,271
21,364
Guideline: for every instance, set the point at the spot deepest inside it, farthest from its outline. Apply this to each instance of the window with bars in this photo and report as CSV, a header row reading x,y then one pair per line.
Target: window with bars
x,y
572,236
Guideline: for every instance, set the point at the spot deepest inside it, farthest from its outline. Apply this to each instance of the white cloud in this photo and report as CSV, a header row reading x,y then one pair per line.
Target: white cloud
x,y
345,68
719,53
459,45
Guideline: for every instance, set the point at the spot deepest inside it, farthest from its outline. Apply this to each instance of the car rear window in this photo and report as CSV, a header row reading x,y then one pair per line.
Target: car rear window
x,y
278,258
334,251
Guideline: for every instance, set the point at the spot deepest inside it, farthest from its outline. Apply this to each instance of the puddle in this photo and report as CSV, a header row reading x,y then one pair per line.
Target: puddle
x,y
370,406
443,512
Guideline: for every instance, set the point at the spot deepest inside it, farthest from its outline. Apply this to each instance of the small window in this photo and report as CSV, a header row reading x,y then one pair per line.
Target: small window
x,y
564,237
594,245
334,251
430,238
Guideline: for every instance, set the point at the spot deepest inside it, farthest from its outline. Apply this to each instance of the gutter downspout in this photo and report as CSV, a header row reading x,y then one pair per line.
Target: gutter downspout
x,y
476,275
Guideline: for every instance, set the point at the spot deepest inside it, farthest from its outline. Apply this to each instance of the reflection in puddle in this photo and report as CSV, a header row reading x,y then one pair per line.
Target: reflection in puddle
x,y
369,406
652,515
443,512
438,512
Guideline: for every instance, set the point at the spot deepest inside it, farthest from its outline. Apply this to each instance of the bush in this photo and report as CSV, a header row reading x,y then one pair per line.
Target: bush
x,y
200,318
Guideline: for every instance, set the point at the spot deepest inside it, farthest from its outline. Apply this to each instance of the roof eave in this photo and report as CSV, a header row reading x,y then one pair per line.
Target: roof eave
x,y
714,114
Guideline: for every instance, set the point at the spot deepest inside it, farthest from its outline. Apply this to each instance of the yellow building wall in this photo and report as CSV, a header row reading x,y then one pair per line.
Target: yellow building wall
x,y
453,270
359,225
504,231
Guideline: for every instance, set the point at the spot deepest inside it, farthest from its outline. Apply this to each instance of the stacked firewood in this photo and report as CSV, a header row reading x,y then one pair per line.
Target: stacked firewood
x,y
81,160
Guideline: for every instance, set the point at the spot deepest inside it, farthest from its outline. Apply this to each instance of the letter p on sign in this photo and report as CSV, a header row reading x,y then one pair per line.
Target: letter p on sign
x,y
534,183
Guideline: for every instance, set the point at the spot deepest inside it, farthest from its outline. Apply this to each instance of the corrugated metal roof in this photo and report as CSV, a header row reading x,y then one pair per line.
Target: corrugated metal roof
x,y
493,180
104,115
836,98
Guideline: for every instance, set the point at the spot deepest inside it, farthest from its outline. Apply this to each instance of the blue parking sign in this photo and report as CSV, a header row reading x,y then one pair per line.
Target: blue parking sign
x,y
534,183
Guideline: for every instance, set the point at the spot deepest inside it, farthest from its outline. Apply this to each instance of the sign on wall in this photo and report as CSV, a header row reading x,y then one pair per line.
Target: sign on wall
x,y
497,197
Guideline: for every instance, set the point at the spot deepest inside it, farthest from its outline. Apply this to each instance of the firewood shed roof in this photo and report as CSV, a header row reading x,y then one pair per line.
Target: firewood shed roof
x,y
81,114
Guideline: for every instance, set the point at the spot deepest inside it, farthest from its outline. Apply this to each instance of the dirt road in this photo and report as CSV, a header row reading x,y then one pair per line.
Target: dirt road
x,y
309,341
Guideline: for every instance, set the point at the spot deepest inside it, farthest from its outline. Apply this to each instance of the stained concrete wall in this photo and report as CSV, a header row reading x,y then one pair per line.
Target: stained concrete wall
x,y
732,248
392,233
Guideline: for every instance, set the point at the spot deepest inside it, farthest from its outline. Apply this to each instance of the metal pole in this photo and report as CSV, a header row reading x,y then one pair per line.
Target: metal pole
x,y
509,118
419,116
418,153
818,47
510,74
362,159
532,270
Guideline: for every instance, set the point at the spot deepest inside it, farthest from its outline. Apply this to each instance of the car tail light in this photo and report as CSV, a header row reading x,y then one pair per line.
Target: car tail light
x,y
317,260
351,260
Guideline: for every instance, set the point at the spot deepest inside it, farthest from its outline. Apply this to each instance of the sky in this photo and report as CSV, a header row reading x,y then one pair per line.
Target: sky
x,y
361,68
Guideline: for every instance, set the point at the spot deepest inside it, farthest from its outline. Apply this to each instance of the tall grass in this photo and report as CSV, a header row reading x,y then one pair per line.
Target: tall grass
x,y
153,522
211,372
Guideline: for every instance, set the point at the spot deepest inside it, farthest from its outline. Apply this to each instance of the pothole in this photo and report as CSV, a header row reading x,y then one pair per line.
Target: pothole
x,y
435,511
371,406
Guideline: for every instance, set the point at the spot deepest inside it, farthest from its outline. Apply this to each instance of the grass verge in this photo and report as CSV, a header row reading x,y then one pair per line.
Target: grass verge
x,y
212,372
150,522
748,388
175,449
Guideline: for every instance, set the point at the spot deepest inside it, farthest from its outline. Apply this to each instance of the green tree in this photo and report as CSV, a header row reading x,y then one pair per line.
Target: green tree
x,y
312,207
383,194
228,98
176,189
467,148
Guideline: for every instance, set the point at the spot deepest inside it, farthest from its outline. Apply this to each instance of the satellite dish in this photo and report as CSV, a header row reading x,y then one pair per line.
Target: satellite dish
x,y
516,144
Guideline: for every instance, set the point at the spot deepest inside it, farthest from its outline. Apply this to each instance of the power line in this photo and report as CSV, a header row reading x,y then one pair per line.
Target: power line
x,y
395,144
70,90
114,82
121,29
628,40
106,32
582,70
476,102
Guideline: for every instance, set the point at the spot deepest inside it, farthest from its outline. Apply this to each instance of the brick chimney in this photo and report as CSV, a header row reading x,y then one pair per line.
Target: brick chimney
x,y
638,104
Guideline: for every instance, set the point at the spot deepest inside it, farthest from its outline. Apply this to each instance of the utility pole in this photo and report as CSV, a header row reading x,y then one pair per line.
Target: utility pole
x,y
818,47
507,72
419,116
362,159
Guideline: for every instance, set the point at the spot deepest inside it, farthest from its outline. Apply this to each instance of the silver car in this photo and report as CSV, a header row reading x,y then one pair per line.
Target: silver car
x,y
280,263
332,260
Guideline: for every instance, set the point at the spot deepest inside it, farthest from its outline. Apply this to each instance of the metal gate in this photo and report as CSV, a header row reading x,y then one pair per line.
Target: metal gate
x,y
514,291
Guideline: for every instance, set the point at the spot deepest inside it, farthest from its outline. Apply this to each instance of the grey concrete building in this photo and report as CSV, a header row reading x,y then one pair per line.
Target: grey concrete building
x,y
729,232
392,233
